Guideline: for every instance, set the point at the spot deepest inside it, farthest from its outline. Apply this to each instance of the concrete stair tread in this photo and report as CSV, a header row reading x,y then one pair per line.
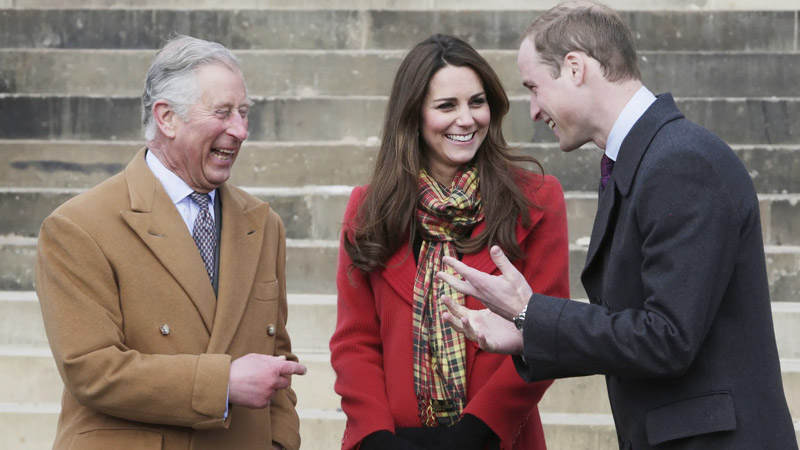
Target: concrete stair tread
x,y
295,72
738,121
438,5
311,266
314,212
376,28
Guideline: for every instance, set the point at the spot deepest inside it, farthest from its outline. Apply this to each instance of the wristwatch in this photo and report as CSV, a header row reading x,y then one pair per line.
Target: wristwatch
x,y
519,320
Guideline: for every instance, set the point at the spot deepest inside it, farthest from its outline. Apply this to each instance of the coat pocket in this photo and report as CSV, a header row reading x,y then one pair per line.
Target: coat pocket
x,y
265,291
708,413
118,439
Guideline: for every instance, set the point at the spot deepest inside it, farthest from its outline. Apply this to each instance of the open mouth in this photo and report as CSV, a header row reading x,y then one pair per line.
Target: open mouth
x,y
460,137
551,124
223,154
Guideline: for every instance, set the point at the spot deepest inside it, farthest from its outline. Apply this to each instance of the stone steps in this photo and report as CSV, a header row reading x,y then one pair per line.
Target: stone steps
x,y
738,121
311,267
316,212
71,73
376,28
76,164
575,411
439,5
289,72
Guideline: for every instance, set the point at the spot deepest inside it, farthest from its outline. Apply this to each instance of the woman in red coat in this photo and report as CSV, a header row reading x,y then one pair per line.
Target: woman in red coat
x,y
444,183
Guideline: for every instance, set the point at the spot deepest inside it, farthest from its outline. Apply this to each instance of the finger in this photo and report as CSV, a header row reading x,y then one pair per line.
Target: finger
x,y
462,269
456,283
469,330
501,261
453,322
292,368
455,309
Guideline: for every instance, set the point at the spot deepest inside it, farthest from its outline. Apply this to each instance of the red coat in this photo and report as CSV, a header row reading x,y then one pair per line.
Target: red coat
x,y
371,349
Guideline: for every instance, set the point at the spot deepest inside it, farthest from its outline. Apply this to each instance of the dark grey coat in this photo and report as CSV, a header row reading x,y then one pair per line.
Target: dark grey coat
x,y
680,319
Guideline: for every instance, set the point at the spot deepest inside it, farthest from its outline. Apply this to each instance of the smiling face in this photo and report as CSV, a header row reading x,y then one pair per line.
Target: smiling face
x,y
203,149
553,100
455,119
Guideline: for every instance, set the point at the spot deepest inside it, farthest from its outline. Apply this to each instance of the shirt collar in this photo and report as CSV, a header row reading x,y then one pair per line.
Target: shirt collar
x,y
635,108
176,188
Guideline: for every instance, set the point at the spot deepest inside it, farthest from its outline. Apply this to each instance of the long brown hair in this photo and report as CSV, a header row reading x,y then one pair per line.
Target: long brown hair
x,y
386,216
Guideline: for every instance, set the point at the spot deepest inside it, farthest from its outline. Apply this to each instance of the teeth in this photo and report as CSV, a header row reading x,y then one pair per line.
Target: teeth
x,y
460,137
224,154
551,124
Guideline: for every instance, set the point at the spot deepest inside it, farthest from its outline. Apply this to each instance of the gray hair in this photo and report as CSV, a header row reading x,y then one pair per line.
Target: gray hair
x,y
172,76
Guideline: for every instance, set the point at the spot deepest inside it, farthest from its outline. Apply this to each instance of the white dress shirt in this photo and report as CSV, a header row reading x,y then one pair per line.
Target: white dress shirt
x,y
632,112
178,191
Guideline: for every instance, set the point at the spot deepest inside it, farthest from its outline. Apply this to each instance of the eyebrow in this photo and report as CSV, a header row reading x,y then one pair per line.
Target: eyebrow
x,y
452,99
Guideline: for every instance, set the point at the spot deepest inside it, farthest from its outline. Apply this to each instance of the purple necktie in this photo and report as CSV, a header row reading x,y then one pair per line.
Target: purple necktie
x,y
606,166
204,233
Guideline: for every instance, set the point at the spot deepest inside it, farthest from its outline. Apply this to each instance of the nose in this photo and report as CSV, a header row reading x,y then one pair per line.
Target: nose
x,y
536,112
465,118
237,127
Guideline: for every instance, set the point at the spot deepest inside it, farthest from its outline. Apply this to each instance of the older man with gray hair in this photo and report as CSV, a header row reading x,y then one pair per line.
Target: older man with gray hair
x,y
163,288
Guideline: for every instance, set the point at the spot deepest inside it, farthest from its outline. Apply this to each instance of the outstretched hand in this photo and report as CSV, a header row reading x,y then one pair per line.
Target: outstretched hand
x,y
491,332
506,294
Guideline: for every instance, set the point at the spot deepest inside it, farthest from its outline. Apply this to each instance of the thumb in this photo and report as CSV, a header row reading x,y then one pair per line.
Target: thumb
x,y
500,259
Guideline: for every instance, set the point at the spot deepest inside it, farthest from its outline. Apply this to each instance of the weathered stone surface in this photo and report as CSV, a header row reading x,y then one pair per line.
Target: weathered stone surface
x,y
317,213
74,164
383,29
620,5
737,121
314,72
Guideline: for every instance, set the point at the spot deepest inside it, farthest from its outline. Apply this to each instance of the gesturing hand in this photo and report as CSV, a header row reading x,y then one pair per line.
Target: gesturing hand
x,y
491,332
505,294
254,378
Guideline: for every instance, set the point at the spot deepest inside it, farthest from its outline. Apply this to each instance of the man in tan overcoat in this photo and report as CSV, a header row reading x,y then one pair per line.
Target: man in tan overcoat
x,y
163,288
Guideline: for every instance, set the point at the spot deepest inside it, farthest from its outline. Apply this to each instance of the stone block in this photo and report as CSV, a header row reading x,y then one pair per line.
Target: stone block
x,y
312,320
380,28
783,273
584,431
349,119
311,267
309,73
58,164
21,325
784,221
579,395
17,259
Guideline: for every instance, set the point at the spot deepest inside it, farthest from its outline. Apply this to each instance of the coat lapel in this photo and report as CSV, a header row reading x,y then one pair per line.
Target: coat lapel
x,y
243,231
631,152
154,218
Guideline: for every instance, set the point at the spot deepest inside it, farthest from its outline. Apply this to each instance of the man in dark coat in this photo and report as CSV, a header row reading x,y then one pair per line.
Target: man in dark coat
x,y
679,317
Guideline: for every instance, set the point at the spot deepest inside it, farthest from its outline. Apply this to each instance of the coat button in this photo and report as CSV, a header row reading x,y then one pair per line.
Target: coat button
x,y
271,330
164,329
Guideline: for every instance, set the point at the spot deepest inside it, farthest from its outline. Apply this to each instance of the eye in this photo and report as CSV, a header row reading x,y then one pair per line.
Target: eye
x,y
478,101
446,106
244,112
223,113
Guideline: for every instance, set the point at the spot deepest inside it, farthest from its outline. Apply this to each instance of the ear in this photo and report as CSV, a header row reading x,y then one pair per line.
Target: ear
x,y
165,118
574,67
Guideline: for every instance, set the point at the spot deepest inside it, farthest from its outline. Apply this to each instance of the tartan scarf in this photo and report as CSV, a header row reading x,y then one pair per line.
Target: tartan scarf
x,y
444,215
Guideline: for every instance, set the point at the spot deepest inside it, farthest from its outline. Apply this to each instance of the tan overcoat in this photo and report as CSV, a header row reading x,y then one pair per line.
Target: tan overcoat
x,y
143,345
